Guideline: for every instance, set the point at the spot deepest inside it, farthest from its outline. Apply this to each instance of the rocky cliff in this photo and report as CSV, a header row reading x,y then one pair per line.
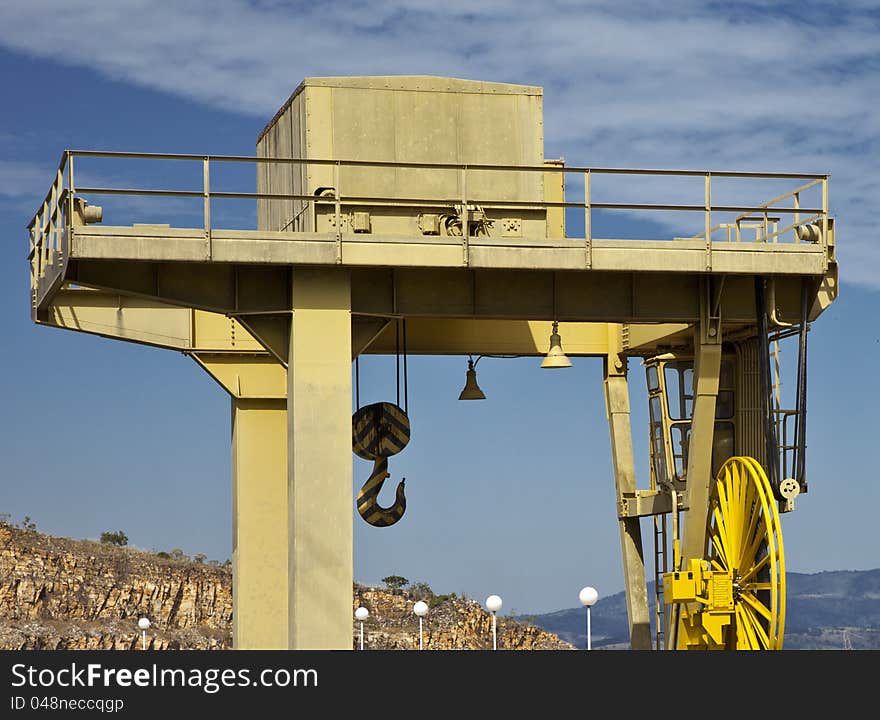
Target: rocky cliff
x,y
452,623
57,593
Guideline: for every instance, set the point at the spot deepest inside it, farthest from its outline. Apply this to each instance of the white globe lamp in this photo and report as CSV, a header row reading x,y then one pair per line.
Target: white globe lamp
x,y
493,604
588,597
420,609
362,614
144,625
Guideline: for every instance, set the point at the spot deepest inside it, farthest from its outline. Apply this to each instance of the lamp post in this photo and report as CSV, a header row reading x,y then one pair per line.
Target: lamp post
x,y
493,604
588,597
420,609
362,614
144,625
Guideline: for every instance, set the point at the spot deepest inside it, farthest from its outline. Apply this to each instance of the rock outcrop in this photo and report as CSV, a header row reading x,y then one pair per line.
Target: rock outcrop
x,y
452,623
62,594
59,594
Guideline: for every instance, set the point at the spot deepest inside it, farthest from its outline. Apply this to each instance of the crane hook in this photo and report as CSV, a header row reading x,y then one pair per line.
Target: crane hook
x,y
379,431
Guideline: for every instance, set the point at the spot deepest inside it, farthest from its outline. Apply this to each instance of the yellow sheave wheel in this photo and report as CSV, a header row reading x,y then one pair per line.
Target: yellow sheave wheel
x,y
744,539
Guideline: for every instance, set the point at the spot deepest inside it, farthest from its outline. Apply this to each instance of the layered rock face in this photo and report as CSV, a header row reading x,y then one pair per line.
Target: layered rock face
x,y
453,624
61,594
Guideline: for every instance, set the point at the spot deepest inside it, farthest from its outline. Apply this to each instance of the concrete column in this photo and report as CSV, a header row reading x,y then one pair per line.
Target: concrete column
x,y
617,408
319,498
259,524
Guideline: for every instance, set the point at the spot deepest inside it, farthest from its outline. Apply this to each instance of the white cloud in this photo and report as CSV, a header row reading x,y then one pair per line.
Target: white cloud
x,y
21,179
756,86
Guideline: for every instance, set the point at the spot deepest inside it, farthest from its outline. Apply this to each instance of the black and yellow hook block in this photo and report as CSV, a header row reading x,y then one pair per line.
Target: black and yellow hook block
x,y
379,431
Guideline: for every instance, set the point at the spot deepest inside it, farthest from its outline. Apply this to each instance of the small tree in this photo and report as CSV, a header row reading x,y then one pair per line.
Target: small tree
x,y
395,583
421,591
200,558
117,538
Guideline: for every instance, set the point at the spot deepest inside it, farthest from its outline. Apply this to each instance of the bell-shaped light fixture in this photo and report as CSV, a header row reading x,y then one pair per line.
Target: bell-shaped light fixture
x,y
471,390
555,356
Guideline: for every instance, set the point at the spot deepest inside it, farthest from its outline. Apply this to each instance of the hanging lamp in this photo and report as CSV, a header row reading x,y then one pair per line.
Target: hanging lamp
x,y
555,358
471,390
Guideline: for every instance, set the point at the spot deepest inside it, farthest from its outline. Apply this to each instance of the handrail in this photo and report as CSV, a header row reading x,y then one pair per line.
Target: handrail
x,y
443,166
47,226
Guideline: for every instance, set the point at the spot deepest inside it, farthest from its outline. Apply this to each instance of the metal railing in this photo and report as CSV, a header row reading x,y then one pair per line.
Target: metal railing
x,y
47,228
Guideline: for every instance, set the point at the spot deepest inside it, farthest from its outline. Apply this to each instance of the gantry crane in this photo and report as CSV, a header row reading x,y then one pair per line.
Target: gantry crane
x,y
426,205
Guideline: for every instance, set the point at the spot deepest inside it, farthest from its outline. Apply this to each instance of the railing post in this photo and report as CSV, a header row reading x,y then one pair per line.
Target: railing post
x,y
825,219
41,238
797,216
70,200
708,221
53,218
206,192
588,222
35,264
465,224
337,211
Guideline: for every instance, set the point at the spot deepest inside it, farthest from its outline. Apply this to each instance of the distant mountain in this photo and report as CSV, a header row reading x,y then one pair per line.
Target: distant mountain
x,y
832,610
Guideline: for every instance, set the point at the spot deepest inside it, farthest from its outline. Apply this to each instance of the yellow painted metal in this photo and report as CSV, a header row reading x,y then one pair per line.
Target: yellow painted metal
x,y
707,368
465,336
147,321
554,192
617,411
259,525
415,119
246,376
429,199
319,394
733,598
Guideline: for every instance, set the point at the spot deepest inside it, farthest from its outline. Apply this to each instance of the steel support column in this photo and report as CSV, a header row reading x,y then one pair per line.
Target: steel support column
x,y
259,524
707,367
319,496
617,410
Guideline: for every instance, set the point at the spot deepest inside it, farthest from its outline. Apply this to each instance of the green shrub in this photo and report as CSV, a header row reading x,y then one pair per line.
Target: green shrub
x,y
395,582
117,538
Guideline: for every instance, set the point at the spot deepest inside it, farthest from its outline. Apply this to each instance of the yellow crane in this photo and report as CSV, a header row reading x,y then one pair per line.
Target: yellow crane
x,y
424,206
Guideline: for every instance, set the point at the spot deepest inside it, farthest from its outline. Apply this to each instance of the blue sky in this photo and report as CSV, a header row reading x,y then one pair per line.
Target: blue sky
x,y
514,495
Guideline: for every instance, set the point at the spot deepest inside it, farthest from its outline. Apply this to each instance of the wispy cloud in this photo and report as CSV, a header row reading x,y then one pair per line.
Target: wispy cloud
x,y
23,179
744,86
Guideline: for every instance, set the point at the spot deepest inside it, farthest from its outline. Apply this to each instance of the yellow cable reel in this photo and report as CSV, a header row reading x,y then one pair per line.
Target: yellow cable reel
x,y
734,598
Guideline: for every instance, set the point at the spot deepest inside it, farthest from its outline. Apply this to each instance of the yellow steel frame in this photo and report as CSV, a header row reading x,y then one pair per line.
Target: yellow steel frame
x,y
274,314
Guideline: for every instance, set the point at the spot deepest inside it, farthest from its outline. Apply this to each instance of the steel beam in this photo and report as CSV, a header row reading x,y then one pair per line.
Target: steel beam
x,y
618,415
707,368
263,247
623,297
319,498
259,525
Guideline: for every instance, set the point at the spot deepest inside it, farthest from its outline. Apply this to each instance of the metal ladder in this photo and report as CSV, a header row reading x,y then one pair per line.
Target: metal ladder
x,y
660,567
